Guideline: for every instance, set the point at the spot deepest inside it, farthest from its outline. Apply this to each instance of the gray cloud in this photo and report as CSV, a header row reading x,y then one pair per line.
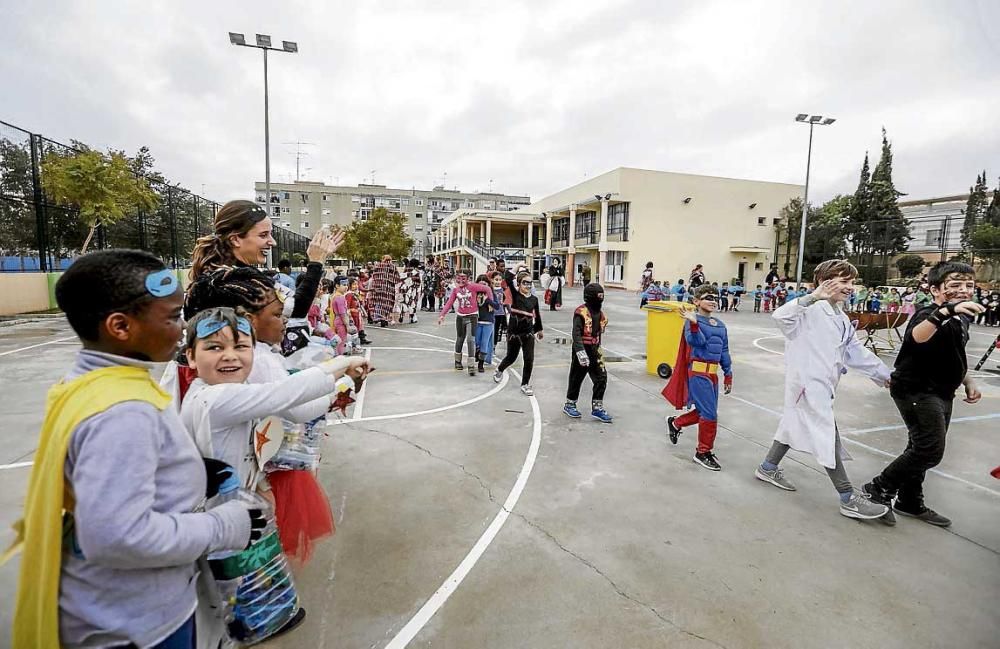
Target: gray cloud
x,y
534,95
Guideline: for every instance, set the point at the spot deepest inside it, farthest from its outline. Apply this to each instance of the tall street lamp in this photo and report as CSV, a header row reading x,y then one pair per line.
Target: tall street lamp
x,y
811,120
263,43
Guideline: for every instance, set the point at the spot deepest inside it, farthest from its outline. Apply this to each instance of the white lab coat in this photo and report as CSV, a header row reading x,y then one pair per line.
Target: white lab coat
x,y
820,345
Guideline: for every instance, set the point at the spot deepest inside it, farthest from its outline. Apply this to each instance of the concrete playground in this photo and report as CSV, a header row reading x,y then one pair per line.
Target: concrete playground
x,y
470,515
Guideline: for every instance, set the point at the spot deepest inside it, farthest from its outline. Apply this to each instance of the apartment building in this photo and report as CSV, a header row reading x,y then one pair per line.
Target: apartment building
x,y
935,226
305,206
618,221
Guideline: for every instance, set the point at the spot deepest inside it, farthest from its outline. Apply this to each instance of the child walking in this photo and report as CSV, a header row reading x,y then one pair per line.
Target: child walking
x,y
758,293
589,323
488,306
524,326
113,519
929,369
820,346
464,297
703,349
501,295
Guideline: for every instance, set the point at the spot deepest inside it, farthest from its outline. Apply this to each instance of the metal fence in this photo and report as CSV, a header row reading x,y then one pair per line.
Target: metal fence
x,y
38,235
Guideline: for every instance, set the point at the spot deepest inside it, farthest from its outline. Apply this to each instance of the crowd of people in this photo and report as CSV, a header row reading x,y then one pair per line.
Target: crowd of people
x,y
169,513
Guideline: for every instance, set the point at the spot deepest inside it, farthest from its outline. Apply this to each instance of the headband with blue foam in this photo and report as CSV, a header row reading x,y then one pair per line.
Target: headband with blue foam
x,y
209,326
162,283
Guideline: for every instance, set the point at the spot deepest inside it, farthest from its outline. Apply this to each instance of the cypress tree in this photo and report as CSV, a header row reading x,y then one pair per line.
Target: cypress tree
x,y
992,215
891,231
975,209
859,216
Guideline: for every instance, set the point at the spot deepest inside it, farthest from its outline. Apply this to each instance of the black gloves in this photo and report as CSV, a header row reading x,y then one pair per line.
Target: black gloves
x,y
257,525
217,473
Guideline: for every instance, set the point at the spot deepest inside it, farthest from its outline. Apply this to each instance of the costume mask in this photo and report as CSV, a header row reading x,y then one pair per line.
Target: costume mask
x,y
593,296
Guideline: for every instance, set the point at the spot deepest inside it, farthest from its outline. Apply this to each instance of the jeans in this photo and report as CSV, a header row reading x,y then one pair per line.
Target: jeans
x,y
926,417
465,331
514,345
838,475
484,341
598,375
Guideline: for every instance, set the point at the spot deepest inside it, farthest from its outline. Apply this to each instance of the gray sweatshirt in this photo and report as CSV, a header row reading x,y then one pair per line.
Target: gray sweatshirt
x,y
129,573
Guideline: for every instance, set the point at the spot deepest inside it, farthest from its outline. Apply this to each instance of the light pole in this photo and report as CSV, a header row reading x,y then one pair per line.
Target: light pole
x,y
811,120
263,43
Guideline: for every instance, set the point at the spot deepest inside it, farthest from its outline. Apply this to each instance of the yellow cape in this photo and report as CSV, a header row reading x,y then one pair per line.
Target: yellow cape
x,y
39,533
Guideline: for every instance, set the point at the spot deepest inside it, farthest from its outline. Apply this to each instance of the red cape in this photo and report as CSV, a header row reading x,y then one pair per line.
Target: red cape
x,y
676,391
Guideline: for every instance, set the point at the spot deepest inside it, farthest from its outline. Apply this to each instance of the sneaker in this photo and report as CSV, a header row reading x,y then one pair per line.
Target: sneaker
x,y
673,430
414,319
571,411
775,477
602,416
472,367
878,495
925,514
527,391
458,366
497,376
708,461
859,506
479,367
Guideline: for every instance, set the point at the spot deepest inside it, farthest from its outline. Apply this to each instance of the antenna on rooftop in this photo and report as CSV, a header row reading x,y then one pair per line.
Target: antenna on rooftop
x,y
299,153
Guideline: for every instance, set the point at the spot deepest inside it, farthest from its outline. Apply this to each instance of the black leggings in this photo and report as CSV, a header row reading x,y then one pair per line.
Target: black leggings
x,y
499,328
465,330
514,345
598,375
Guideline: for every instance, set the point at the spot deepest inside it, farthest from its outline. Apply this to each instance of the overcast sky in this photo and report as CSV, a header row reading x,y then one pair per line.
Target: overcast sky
x,y
534,95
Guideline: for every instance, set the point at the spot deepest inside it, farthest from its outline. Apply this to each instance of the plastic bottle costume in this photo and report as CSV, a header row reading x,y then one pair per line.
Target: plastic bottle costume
x,y
703,348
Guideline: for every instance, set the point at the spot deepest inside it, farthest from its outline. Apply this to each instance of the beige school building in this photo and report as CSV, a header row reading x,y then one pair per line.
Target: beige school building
x,y
618,221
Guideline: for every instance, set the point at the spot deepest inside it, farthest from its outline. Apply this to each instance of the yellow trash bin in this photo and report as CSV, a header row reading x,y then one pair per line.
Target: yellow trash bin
x,y
664,328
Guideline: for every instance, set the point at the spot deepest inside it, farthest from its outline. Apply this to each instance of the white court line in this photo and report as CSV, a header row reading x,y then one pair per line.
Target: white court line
x,y
957,420
604,347
359,403
16,465
756,343
24,349
441,595
400,415
878,451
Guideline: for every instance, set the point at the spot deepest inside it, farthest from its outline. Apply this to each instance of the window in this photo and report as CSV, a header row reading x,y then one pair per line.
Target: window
x,y
355,199
305,224
618,220
326,211
285,195
758,265
615,266
406,201
286,224
304,211
560,230
365,214
418,227
468,204
418,215
275,210
260,198
304,197
761,220
586,226
420,202
487,205
775,221
326,197
933,238
285,210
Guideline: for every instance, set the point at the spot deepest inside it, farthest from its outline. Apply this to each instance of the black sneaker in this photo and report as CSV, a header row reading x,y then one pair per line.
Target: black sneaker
x,y
673,430
708,461
877,494
923,513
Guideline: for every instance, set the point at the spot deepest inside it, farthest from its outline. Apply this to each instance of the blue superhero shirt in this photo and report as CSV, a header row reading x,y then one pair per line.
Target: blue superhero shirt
x,y
709,341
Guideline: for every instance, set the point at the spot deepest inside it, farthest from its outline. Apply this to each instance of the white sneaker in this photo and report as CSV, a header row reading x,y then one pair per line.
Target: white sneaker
x,y
859,506
527,391
497,376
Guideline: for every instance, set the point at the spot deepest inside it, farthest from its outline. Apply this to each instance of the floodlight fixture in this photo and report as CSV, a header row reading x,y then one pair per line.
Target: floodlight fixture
x,y
290,46
811,120
828,121
801,117
814,119
237,39
263,40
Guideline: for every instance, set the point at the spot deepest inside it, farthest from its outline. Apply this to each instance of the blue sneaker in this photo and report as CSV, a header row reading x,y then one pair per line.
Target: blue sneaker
x,y
601,415
571,411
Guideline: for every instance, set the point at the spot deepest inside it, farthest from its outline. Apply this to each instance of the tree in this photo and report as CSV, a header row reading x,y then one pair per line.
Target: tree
x,y
383,233
892,231
824,233
984,241
17,215
101,188
993,211
910,265
975,209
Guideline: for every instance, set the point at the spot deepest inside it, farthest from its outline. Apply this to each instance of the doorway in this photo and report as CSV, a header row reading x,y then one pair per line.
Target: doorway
x,y
741,273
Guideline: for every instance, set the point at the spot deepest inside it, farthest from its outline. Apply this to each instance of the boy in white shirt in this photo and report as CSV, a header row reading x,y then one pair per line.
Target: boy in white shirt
x,y
820,346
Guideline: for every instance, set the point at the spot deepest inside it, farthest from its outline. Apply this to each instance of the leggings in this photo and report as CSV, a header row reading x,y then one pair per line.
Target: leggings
x,y
499,328
465,330
514,345
838,475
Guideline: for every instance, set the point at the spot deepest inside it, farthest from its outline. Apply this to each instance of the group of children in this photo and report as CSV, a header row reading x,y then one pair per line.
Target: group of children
x,y
149,507
820,347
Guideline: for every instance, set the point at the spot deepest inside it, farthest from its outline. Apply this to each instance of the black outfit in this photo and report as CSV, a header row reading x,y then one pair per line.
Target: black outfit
x,y
524,322
697,279
771,278
724,298
596,370
555,299
924,382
